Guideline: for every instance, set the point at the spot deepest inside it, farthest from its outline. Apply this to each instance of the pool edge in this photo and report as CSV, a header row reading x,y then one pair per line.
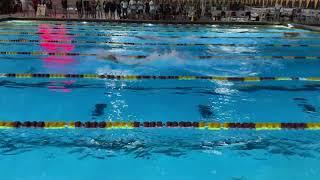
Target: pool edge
x,y
307,27
143,21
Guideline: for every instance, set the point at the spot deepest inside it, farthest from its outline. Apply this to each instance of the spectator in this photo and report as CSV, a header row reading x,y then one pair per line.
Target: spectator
x,y
64,4
99,9
161,10
133,8
106,7
178,9
93,8
203,8
124,7
277,11
18,6
191,13
79,8
293,15
87,8
268,15
140,9
147,8
152,9
35,6
55,5
281,15
167,10
49,7
156,9
118,9
113,8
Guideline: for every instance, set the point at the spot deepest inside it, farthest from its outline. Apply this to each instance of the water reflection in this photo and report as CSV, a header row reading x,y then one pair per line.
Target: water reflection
x,y
58,33
48,35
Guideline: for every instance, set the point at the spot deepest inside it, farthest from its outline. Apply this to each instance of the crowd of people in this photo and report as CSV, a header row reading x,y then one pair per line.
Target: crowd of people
x,y
188,10
180,10
10,6
134,9
120,9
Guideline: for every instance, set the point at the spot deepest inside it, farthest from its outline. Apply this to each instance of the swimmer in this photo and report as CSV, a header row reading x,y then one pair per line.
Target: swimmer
x,y
117,59
148,37
291,34
109,57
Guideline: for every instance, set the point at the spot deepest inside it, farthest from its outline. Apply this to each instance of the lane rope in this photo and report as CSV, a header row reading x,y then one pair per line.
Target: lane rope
x,y
160,124
37,53
137,25
126,29
175,26
157,44
148,77
170,36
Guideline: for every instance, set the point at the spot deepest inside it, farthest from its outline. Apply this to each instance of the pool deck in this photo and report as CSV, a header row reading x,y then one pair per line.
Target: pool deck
x,y
138,21
301,26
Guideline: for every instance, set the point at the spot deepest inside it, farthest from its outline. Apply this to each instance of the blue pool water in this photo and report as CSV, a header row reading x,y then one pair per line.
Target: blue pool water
x,y
154,154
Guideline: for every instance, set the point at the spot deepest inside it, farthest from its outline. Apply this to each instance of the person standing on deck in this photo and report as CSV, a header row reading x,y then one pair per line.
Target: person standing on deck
x,y
277,11
106,7
99,9
93,5
191,12
147,9
113,9
35,6
49,7
118,9
64,4
18,6
152,9
133,8
203,8
124,6
86,7
79,8
54,7
140,9
167,10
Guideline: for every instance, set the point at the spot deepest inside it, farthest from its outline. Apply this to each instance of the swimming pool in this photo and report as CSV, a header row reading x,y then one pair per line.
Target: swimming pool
x,y
159,73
